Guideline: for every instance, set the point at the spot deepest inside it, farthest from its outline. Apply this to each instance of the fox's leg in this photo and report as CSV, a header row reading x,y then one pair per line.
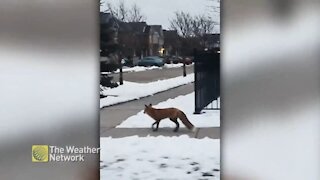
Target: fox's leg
x,y
157,126
155,123
177,124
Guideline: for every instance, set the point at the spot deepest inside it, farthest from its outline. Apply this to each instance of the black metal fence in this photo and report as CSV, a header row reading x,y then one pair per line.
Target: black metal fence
x,y
207,78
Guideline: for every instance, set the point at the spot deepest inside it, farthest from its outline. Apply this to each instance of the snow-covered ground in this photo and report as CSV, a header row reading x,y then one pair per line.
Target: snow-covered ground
x,y
130,90
209,118
174,65
160,157
141,68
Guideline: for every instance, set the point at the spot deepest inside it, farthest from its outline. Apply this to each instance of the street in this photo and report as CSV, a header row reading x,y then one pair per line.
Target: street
x,y
153,75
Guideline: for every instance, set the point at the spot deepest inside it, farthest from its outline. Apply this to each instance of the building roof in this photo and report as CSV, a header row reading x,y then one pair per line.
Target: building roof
x,y
105,18
137,27
212,37
154,28
108,19
170,33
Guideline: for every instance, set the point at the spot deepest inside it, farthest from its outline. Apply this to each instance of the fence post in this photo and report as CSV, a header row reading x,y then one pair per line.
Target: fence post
x,y
121,75
195,70
184,68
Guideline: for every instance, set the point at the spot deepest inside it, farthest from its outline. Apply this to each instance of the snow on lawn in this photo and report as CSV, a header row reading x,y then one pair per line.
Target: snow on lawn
x,y
137,69
173,65
159,157
210,118
130,90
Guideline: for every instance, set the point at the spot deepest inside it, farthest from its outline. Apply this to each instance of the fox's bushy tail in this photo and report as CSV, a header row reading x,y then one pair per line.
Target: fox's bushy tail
x,y
186,122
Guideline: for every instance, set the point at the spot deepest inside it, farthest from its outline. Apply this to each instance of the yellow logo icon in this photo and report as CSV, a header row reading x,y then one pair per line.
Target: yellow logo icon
x,y
40,153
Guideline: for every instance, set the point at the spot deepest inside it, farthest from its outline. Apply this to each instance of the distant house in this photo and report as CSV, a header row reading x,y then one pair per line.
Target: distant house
x,y
155,40
140,39
211,41
132,38
109,45
171,42
129,39
108,32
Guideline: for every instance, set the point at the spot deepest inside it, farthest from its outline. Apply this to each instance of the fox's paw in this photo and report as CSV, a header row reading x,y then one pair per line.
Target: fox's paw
x,y
195,130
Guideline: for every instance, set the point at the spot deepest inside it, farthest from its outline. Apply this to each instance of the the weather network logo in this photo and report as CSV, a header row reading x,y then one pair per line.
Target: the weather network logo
x,y
69,153
40,153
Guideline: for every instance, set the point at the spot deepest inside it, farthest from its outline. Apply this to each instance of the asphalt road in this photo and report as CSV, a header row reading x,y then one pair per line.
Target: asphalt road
x,y
153,75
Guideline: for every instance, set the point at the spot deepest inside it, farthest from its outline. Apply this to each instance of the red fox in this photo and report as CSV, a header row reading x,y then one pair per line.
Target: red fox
x,y
172,113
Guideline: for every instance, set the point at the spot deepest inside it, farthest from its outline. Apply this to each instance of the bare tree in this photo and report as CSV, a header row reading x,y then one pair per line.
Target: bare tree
x,y
194,30
201,25
182,22
135,14
123,11
214,6
125,14
119,11
111,9
192,26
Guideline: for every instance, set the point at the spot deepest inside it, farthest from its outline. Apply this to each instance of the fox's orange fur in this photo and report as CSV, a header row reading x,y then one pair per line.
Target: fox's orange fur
x,y
172,113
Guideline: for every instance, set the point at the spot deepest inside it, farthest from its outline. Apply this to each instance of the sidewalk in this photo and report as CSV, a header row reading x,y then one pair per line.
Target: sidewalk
x,y
213,132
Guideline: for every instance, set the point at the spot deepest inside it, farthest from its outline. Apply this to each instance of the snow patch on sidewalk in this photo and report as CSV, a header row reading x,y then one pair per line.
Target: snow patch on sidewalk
x,y
209,118
160,157
131,91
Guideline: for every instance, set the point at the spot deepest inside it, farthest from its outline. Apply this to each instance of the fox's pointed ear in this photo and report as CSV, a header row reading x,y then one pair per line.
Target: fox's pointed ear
x,y
150,105
145,105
